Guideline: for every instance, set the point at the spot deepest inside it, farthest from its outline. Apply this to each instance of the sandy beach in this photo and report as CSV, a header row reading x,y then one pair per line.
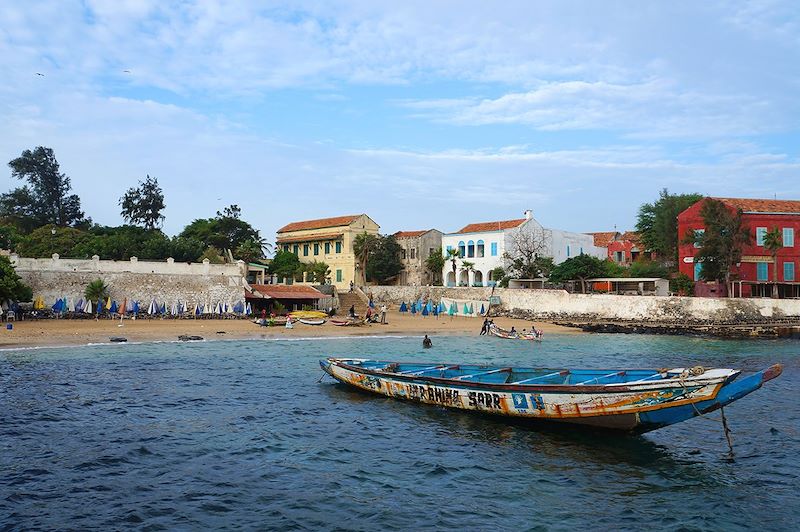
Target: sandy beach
x,y
80,332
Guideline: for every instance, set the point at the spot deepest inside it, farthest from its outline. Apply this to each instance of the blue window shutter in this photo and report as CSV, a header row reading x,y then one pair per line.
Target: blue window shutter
x,y
494,249
788,271
698,270
567,251
760,232
762,271
788,237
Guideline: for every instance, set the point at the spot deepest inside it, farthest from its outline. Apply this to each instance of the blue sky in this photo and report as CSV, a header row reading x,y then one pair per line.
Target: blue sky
x,y
421,114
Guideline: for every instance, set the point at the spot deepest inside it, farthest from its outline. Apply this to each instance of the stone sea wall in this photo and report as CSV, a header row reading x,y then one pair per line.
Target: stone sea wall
x,y
559,305
166,281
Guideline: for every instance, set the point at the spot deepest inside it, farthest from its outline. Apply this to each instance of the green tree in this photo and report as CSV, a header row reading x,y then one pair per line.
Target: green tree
x,y
225,231
720,245
46,198
124,242
500,276
96,290
657,223
467,266
363,245
319,271
213,255
49,239
285,265
9,237
647,268
184,249
384,259
11,286
435,265
143,204
581,268
682,285
452,256
249,251
773,242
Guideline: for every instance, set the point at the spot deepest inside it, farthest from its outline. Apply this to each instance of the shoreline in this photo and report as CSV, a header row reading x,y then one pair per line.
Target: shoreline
x,y
66,333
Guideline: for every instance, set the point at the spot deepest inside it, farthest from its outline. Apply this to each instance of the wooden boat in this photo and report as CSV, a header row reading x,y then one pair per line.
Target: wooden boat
x,y
516,335
311,322
347,323
630,400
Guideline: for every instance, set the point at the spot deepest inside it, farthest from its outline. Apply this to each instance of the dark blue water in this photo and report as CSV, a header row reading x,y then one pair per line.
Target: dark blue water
x,y
241,435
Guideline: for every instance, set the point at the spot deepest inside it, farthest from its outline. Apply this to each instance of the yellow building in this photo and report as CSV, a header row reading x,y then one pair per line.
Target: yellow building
x,y
328,240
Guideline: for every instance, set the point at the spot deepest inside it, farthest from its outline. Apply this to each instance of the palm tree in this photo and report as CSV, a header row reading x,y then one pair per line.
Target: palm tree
x,y
773,242
452,255
468,267
96,290
363,245
435,264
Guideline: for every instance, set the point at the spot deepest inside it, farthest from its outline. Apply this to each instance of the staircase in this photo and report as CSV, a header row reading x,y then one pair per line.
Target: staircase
x,y
348,299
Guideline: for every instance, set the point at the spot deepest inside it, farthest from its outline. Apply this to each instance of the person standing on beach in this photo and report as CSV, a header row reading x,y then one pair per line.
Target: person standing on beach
x,y
383,314
485,328
351,286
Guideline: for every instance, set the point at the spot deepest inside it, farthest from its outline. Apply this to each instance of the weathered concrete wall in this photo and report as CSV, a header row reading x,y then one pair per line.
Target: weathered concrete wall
x,y
560,305
135,280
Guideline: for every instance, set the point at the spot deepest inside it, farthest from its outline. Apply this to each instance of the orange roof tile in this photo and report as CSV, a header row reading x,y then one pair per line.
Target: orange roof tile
x,y
603,239
312,237
632,236
410,234
279,291
491,226
762,205
319,224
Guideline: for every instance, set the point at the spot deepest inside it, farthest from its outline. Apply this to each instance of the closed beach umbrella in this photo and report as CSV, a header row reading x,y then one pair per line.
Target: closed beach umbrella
x,y
471,309
174,309
56,305
435,310
87,308
429,306
99,306
113,308
249,309
163,307
413,308
466,310
452,309
71,305
197,309
108,302
218,308
403,307
207,308
425,310
135,309
151,308
124,306
79,306
483,311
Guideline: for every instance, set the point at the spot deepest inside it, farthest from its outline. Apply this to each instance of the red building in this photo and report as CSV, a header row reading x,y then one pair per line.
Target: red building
x,y
755,275
623,248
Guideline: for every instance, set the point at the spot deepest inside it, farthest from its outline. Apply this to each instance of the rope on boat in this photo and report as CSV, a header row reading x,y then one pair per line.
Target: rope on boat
x,y
696,371
727,432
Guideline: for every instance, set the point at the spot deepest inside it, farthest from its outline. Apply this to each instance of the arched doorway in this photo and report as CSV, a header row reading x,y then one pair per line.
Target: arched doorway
x,y
451,279
463,278
478,278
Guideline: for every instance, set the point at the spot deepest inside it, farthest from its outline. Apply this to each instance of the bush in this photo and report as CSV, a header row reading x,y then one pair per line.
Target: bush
x,y
682,285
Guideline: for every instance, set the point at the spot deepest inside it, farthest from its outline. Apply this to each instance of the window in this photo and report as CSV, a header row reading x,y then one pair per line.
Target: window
x,y
480,249
296,249
788,237
316,249
619,256
762,271
327,248
449,248
338,275
403,253
413,253
698,270
697,235
338,247
286,247
305,250
760,232
567,251
494,249
462,249
430,251
470,249
788,271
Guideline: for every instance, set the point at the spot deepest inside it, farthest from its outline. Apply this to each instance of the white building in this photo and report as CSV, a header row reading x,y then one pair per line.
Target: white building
x,y
483,245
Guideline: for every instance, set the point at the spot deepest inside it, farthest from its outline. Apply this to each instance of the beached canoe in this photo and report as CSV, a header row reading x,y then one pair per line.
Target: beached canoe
x,y
347,323
630,400
494,330
311,322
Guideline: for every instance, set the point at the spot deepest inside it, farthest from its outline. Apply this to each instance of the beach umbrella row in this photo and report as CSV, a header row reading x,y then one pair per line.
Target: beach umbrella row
x,y
64,304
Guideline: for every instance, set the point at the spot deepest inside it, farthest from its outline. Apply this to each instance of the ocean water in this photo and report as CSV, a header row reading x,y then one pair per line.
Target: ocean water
x,y
243,434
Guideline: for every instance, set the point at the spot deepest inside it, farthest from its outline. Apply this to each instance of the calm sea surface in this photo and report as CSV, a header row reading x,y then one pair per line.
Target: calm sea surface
x,y
242,435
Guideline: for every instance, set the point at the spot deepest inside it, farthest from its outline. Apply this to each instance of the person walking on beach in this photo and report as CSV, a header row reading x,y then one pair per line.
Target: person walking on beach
x,y
351,286
383,314
352,311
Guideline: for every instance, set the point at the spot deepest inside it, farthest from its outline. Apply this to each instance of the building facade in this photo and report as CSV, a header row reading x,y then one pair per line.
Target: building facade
x,y
483,246
417,246
756,274
328,240
623,248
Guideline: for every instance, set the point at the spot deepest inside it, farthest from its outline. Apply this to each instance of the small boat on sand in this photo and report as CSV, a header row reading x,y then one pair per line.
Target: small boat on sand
x,y
635,401
494,330
311,321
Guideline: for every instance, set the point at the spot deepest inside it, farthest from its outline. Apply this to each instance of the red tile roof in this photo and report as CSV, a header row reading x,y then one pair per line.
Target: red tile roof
x,y
603,239
491,226
312,237
319,224
632,236
279,291
410,234
762,205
